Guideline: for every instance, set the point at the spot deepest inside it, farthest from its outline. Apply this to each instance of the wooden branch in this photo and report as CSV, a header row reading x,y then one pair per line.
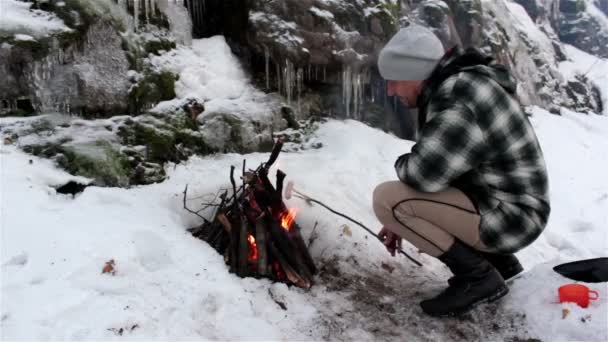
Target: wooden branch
x,y
223,220
220,208
291,274
285,245
234,246
279,192
309,199
261,241
235,203
188,209
312,236
243,254
278,145
296,235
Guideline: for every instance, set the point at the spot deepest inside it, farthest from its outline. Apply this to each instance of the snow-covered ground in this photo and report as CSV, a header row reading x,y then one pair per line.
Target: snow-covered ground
x,y
173,286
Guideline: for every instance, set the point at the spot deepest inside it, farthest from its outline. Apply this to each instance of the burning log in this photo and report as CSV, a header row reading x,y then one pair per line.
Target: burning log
x,y
256,232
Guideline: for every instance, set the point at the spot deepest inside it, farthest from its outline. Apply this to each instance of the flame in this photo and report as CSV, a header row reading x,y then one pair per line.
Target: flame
x,y
288,218
253,249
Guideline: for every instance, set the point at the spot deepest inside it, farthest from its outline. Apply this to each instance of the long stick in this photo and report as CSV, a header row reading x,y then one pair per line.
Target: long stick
x,y
309,199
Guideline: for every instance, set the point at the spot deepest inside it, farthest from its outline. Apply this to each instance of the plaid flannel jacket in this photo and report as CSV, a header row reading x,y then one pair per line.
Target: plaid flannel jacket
x,y
477,138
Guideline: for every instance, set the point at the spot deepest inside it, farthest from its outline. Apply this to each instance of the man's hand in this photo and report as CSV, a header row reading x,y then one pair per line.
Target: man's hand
x,y
391,240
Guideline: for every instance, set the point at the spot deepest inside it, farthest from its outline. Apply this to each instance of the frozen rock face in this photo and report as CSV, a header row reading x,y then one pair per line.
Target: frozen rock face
x,y
324,47
299,45
89,77
583,25
322,32
84,68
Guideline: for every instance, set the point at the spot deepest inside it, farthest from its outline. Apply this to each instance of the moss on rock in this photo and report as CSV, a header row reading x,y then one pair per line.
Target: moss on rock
x,y
110,168
156,46
150,90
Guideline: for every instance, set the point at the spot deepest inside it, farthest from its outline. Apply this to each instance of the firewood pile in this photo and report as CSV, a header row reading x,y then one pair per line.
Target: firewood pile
x,y
255,231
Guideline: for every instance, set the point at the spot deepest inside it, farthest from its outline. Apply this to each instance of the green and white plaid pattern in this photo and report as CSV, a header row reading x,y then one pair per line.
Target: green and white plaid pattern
x,y
478,139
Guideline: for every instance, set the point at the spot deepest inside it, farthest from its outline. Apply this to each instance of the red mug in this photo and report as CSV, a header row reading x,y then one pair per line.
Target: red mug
x,y
577,293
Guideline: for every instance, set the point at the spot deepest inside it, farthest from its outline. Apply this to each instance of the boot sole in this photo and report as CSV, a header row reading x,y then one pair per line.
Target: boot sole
x,y
514,277
496,296
514,273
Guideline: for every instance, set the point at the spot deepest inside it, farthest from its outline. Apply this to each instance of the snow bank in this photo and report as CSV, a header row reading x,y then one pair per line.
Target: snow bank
x,y
208,71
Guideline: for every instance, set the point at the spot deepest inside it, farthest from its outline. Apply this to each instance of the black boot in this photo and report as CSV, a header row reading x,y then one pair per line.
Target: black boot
x,y
475,281
506,264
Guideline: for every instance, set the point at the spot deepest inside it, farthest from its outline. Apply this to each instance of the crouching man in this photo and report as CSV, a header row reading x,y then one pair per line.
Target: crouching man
x,y
473,190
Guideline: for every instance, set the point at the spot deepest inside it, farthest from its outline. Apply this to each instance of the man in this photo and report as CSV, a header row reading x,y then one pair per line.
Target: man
x,y
473,190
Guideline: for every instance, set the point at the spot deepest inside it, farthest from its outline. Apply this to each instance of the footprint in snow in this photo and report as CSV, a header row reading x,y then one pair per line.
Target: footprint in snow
x,y
581,226
17,260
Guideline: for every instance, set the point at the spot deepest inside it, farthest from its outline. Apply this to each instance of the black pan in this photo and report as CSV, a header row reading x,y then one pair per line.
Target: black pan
x,y
588,271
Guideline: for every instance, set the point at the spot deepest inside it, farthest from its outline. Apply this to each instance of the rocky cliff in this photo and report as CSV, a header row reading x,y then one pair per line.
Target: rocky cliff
x,y
132,65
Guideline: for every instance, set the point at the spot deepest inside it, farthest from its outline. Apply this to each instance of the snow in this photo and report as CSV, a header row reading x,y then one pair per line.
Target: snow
x,y
173,286
321,13
369,11
595,68
209,72
16,16
24,37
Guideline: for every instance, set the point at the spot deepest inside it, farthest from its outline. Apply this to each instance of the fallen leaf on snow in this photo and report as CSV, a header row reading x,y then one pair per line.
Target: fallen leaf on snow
x,y
109,267
346,230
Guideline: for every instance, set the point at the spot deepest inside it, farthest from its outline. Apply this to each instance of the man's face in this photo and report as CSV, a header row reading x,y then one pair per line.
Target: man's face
x,y
407,91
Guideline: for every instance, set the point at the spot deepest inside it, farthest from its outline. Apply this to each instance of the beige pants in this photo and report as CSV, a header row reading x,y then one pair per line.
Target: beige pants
x,y
429,221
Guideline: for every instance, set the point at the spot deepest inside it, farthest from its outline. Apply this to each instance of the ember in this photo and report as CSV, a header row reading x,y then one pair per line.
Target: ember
x,y
255,231
253,249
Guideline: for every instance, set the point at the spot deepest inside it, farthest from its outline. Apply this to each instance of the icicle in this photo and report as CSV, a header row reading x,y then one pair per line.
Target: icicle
x,y
201,14
135,15
278,71
373,91
309,72
193,13
146,11
267,60
357,90
347,88
299,76
289,80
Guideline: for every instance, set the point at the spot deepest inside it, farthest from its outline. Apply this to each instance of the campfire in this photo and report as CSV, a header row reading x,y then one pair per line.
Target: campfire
x,y
255,231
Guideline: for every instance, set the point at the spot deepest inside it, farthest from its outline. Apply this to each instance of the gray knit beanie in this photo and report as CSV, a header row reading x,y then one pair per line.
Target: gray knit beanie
x,y
411,55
